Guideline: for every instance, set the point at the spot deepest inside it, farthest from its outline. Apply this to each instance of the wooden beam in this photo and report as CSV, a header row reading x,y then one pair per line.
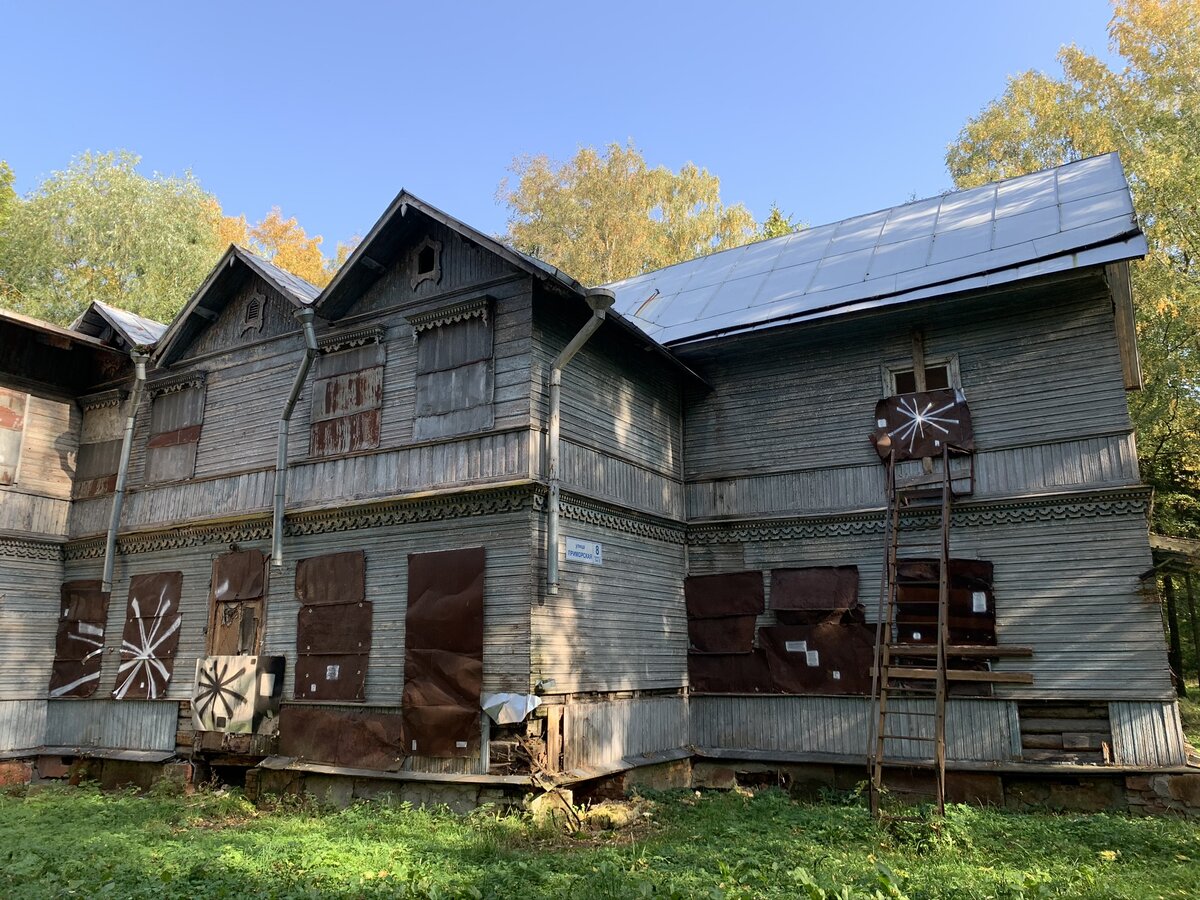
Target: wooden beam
x,y
972,652
919,674
1119,284
1175,647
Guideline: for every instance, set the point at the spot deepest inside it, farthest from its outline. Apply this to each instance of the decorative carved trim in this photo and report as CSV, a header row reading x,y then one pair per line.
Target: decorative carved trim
x,y
593,512
348,340
434,274
448,315
396,512
1007,512
115,397
179,382
23,548
254,312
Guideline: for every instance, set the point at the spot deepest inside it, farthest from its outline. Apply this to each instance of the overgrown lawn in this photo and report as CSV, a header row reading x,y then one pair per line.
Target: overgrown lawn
x,y
65,842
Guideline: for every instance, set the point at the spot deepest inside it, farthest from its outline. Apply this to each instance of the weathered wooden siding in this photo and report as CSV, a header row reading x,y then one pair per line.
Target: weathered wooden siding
x,y
617,626
507,592
1066,581
1040,367
22,724
30,576
38,502
604,732
1147,734
621,413
115,724
976,730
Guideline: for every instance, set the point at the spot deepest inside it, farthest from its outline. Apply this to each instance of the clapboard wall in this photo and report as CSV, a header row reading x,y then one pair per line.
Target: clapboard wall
x,y
785,429
37,503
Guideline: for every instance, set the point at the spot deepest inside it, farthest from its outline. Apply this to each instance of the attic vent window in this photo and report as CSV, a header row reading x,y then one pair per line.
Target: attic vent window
x,y
252,318
425,262
901,377
936,378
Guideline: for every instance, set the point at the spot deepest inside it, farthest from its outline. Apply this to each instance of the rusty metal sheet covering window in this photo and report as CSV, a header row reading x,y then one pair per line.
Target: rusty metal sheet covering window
x,y
332,578
332,647
455,379
919,425
347,399
825,658
79,643
972,601
729,634
175,423
729,673
240,575
12,431
726,594
814,588
353,738
151,636
443,659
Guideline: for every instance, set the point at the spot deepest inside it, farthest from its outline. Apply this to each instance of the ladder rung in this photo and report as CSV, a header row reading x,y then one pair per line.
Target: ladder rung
x,y
960,675
974,652
909,737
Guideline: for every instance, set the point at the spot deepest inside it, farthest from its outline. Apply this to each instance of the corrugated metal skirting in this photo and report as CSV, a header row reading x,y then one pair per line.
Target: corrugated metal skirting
x,y
1146,733
119,724
598,733
22,724
976,730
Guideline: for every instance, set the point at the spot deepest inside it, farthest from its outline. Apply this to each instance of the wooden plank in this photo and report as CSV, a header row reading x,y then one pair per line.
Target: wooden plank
x,y
1125,320
971,652
922,674
1062,726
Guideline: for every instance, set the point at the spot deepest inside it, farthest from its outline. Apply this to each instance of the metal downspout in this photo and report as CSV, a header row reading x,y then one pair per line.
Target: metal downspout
x,y
139,358
310,353
600,301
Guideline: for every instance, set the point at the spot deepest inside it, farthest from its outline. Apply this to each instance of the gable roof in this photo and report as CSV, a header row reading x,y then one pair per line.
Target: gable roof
x,y
212,295
1076,215
132,329
381,247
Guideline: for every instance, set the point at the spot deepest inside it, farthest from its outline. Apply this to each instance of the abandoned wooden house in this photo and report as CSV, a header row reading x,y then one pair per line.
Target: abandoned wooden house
x,y
459,520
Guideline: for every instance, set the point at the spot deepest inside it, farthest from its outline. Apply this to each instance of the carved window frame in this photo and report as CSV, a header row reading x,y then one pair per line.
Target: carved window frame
x,y
414,256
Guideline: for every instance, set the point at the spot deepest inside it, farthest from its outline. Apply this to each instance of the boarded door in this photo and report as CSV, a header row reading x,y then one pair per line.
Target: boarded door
x,y
239,586
79,644
151,636
443,652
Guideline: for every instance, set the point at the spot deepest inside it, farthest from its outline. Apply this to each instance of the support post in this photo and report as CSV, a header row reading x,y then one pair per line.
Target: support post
x,y
1175,651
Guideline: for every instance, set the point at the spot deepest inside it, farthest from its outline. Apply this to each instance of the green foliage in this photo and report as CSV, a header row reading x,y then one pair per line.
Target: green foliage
x,y
606,216
78,842
1149,110
99,230
777,224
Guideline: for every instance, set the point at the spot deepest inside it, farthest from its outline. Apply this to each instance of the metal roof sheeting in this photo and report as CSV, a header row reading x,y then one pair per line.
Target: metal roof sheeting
x,y
1079,214
137,330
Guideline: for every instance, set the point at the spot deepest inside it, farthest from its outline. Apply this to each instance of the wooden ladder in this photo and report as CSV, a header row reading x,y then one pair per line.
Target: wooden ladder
x,y
894,676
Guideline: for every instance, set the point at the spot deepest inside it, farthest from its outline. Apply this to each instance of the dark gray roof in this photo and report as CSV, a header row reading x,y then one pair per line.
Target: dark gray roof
x,y
135,330
1073,216
298,289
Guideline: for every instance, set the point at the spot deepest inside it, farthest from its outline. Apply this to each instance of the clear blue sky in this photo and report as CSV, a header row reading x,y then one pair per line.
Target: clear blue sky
x,y
328,109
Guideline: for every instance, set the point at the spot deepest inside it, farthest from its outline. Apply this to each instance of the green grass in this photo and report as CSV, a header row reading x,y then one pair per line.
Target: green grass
x,y
78,842
1189,714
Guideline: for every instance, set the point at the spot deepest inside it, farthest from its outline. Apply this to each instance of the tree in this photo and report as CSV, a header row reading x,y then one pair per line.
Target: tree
x,y
606,216
284,243
99,230
777,224
1148,110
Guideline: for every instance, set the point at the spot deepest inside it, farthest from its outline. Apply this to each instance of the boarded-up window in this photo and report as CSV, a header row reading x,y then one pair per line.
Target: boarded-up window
x,y
454,374
239,586
813,594
176,416
99,454
361,739
972,602
443,652
347,400
12,431
79,644
721,611
822,658
151,636
333,628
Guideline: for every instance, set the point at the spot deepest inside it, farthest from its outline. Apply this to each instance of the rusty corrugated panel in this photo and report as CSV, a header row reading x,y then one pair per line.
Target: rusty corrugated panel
x,y
239,575
814,588
359,739
346,412
346,434
729,673
331,578
188,435
443,660
725,594
921,424
332,646
151,636
79,644
115,724
728,634
12,431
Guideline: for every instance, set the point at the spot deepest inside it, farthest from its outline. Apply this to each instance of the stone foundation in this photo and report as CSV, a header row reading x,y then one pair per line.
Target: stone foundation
x,y
1156,795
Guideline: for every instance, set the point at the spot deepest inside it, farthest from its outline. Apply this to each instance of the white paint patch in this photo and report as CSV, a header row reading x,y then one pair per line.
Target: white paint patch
x,y
332,673
813,658
978,602
796,646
